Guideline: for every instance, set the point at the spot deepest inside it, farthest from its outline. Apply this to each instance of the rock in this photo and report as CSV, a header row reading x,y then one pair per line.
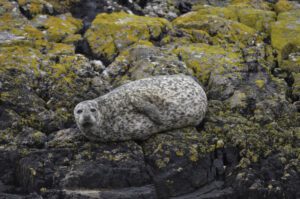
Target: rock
x,y
141,108
126,193
181,161
33,8
284,34
142,61
9,196
212,190
257,19
166,9
8,158
220,29
256,4
31,138
254,18
296,87
61,6
88,10
111,33
208,61
247,146
59,27
70,138
117,165
285,6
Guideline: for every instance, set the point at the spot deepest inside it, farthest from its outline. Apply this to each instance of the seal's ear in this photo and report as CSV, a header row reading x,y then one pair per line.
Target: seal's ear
x,y
92,103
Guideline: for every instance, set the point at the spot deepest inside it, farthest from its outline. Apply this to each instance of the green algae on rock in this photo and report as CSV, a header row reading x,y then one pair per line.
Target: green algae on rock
x,y
111,33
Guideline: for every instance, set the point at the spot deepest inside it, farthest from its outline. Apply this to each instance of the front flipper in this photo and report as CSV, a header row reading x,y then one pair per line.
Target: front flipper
x,y
147,108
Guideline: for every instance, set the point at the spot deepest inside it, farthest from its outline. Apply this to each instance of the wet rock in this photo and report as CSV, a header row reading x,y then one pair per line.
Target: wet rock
x,y
180,162
8,158
212,190
117,165
42,169
125,193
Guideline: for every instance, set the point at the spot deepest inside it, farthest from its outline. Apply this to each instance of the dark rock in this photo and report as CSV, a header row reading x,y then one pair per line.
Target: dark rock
x,y
117,165
9,196
43,169
8,158
178,164
213,190
146,192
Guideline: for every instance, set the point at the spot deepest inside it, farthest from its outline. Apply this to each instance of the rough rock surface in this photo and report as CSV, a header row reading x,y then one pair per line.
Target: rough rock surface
x,y
141,108
109,34
244,52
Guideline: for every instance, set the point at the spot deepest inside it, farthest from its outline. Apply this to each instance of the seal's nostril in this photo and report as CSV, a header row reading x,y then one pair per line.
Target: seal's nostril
x,y
86,118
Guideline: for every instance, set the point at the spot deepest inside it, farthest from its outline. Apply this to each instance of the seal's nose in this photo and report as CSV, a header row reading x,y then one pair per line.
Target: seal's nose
x,y
86,118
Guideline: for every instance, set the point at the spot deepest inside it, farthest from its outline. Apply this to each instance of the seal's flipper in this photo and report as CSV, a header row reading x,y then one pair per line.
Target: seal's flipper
x,y
147,108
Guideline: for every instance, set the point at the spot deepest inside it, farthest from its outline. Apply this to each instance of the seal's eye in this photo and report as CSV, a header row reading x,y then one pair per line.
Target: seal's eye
x,y
93,110
79,111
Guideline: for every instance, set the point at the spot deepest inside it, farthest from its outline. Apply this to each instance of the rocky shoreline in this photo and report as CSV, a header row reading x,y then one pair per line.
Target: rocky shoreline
x,y
245,53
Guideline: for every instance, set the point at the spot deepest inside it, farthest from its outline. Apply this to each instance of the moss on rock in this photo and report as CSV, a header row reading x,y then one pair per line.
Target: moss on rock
x,y
257,4
296,86
283,6
204,59
285,34
255,18
58,27
111,33
222,30
34,7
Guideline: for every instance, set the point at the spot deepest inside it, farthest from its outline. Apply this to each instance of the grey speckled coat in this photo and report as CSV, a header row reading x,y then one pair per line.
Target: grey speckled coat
x,y
141,108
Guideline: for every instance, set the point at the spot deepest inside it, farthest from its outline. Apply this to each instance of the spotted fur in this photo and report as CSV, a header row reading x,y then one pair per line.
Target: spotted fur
x,y
141,108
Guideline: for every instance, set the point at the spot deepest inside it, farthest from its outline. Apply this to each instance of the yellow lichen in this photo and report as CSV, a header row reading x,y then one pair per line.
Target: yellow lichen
x,y
204,59
283,6
260,83
111,33
58,28
285,34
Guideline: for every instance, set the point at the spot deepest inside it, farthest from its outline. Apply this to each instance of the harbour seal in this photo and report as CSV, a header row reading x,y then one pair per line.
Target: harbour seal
x,y
141,108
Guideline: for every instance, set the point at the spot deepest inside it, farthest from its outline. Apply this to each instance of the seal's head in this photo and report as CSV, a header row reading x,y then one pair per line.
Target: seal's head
x,y
87,116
